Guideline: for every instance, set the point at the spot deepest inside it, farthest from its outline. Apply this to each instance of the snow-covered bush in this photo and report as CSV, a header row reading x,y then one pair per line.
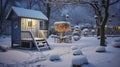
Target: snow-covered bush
x,y
98,37
100,49
3,49
76,38
77,61
76,31
117,40
54,57
77,52
74,47
116,43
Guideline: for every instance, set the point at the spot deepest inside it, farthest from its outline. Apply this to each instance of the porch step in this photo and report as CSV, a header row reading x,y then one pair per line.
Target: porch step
x,y
42,44
39,43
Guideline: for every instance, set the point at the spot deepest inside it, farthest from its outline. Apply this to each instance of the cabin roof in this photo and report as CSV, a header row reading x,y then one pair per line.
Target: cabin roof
x,y
27,13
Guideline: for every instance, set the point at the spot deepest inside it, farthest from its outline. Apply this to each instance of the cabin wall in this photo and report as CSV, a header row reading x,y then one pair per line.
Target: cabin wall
x,y
33,28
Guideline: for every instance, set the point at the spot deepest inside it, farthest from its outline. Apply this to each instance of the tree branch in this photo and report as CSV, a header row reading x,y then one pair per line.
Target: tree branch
x,y
114,2
106,13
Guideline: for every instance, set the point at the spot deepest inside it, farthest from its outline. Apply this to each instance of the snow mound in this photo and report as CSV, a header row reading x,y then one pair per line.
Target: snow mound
x,y
117,40
74,47
100,49
76,38
77,61
15,65
116,44
3,48
77,52
75,32
54,57
98,37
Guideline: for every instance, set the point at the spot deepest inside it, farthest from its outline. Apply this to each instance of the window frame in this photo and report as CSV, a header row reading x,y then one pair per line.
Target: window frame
x,y
42,25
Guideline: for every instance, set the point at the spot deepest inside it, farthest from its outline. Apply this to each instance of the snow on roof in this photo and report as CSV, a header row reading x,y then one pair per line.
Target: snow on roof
x,y
60,22
21,12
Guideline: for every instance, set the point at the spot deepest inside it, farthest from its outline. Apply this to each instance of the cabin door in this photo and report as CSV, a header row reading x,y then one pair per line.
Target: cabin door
x,y
16,32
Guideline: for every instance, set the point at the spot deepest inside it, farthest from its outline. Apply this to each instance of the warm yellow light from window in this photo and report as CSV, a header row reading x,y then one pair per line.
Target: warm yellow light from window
x,y
118,27
29,20
31,23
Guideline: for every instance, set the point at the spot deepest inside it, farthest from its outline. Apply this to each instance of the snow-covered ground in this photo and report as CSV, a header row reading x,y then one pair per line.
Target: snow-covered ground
x,y
33,58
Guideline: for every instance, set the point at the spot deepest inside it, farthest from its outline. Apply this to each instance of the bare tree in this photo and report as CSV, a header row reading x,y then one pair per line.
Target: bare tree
x,y
2,14
47,4
101,8
31,3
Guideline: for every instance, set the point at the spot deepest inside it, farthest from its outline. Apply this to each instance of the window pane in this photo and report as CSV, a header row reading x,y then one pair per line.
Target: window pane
x,y
45,27
29,23
42,25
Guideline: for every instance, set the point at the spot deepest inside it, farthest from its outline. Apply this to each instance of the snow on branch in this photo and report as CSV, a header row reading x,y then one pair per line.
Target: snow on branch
x,y
114,2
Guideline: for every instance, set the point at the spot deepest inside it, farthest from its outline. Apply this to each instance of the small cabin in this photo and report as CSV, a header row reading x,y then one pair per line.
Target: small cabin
x,y
28,27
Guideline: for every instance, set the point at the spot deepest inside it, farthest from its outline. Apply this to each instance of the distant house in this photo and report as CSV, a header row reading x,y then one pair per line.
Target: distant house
x,y
27,26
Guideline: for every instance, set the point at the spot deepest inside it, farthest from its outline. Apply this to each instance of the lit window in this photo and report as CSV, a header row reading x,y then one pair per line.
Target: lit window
x,y
118,27
29,23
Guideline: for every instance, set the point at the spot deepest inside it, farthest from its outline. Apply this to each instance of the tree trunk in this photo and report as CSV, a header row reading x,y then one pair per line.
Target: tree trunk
x,y
102,35
98,30
0,16
2,13
48,16
102,27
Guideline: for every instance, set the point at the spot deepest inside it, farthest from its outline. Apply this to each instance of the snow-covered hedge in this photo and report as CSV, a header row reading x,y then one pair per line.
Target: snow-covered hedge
x,y
74,47
54,57
116,43
117,40
77,61
76,38
77,52
100,49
